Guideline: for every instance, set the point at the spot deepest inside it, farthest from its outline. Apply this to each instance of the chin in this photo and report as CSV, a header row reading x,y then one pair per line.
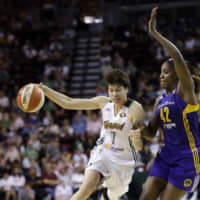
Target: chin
x,y
163,86
117,102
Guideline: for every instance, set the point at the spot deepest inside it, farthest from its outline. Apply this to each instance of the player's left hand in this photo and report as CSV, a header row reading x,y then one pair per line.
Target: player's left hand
x,y
152,21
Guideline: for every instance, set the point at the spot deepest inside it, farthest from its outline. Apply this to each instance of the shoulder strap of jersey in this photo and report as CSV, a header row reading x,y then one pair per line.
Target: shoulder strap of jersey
x,y
129,102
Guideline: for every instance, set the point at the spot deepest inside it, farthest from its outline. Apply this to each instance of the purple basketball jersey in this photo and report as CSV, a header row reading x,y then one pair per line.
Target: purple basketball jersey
x,y
178,160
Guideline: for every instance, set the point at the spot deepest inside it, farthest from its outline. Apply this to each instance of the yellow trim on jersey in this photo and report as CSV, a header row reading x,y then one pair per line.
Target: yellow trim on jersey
x,y
162,134
188,109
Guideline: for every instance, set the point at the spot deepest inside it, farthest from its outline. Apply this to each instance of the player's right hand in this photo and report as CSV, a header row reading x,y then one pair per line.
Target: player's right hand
x,y
137,124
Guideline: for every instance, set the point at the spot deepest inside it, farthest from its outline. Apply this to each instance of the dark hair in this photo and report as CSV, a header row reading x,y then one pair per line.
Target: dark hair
x,y
191,68
188,63
118,77
170,62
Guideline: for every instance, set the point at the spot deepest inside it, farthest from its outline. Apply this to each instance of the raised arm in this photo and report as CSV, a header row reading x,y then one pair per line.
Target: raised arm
x,y
186,85
74,103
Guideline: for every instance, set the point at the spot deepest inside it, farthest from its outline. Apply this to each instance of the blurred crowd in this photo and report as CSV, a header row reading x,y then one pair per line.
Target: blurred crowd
x,y
44,154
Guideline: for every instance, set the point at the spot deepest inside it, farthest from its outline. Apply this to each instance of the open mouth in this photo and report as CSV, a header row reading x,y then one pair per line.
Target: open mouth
x,y
117,99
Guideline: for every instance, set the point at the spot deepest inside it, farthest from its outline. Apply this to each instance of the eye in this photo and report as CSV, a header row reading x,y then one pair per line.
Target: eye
x,y
166,72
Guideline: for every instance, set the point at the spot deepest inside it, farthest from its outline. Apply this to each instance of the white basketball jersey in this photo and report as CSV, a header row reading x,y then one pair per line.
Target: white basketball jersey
x,y
115,135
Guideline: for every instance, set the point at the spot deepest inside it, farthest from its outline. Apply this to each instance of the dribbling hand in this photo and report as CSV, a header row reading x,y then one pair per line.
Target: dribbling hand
x,y
41,86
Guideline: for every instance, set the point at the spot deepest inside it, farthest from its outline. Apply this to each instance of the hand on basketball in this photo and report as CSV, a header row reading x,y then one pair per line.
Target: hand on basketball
x,y
30,98
152,21
41,86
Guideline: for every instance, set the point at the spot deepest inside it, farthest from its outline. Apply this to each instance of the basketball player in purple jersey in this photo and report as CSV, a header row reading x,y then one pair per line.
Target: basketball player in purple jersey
x,y
176,167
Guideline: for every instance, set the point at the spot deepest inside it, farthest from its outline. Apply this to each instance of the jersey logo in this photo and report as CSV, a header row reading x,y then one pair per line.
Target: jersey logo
x,y
108,109
107,146
123,114
187,182
110,125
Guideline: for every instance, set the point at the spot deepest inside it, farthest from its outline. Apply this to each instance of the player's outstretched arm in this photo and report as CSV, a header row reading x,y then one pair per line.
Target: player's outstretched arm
x,y
179,62
73,103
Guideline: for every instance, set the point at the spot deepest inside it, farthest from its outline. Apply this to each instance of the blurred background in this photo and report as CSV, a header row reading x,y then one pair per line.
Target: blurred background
x,y
70,45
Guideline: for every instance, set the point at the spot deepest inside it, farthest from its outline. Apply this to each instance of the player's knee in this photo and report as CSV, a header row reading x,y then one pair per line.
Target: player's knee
x,y
147,193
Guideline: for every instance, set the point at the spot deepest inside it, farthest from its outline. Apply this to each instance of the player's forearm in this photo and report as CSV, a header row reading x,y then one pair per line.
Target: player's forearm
x,y
179,63
168,45
57,97
147,133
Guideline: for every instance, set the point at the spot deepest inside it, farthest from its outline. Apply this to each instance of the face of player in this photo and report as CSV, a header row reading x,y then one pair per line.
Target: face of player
x,y
118,94
168,78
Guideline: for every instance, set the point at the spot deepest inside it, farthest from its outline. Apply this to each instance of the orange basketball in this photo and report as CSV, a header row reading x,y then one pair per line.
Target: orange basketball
x,y
30,98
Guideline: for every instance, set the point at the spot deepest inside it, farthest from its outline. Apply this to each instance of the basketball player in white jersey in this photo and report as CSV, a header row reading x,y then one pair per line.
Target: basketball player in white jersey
x,y
112,161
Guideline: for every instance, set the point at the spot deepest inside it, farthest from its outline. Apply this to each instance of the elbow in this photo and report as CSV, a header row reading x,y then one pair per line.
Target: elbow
x,y
177,57
64,105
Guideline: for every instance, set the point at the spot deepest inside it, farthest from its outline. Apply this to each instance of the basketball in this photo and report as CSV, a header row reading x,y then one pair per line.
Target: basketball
x,y
30,98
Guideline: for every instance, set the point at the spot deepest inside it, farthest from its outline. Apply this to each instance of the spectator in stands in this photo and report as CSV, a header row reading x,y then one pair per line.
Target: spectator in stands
x,y
34,142
27,193
67,128
131,69
49,178
30,162
6,186
79,125
118,61
63,190
190,43
106,67
28,129
12,154
35,183
79,158
53,148
4,100
30,151
17,122
78,175
93,125
18,179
